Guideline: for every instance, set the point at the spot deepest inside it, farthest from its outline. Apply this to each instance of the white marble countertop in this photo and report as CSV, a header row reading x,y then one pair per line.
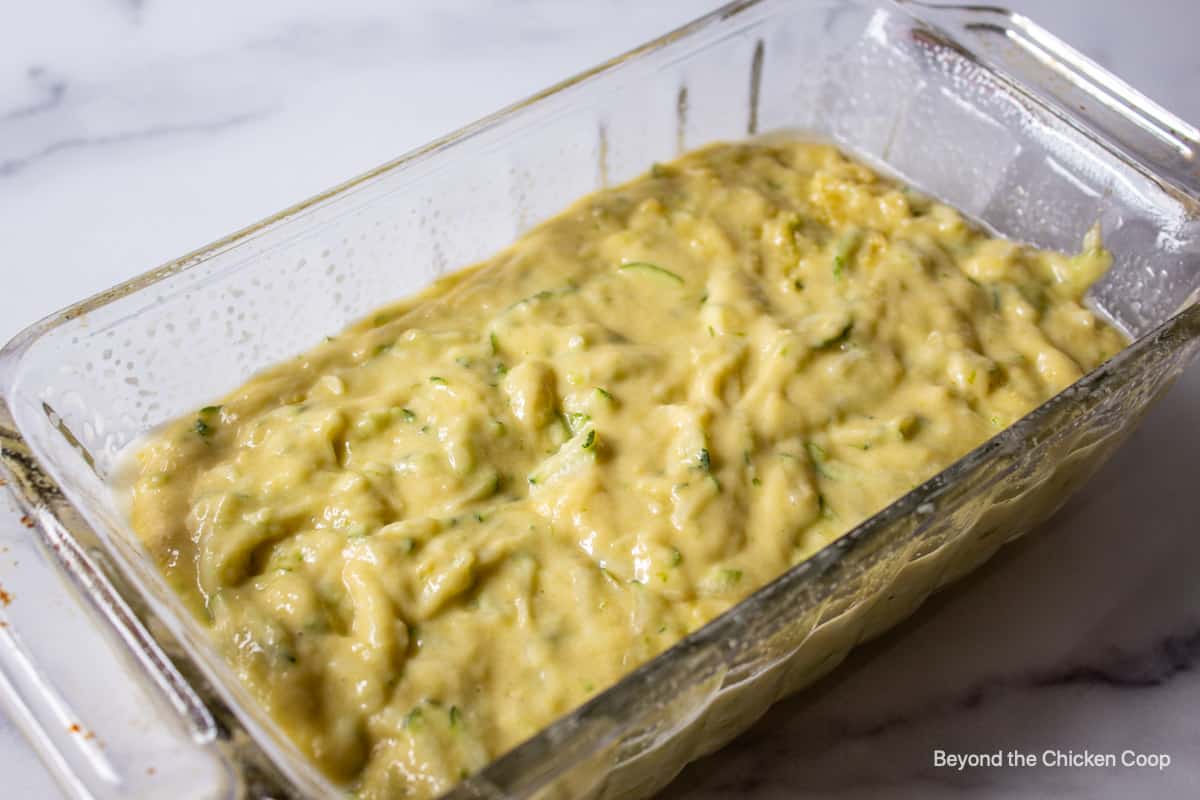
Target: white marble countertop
x,y
140,130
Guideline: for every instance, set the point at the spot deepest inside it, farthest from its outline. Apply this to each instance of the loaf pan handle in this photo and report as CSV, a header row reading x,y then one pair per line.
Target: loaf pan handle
x,y
1084,94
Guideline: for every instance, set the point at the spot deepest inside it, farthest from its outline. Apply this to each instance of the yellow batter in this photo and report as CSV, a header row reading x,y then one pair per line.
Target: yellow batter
x,y
428,537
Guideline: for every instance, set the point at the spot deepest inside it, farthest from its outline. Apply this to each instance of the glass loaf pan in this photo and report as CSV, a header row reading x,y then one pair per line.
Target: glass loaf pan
x,y
978,107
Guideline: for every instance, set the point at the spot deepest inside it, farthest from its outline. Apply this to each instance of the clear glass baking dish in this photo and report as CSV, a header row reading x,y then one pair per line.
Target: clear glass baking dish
x,y
976,106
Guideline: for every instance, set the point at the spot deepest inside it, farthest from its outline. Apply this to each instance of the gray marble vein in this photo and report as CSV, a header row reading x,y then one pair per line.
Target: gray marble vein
x,y
51,92
13,165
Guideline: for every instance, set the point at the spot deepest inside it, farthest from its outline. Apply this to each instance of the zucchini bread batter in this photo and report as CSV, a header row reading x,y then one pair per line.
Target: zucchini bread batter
x,y
428,537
